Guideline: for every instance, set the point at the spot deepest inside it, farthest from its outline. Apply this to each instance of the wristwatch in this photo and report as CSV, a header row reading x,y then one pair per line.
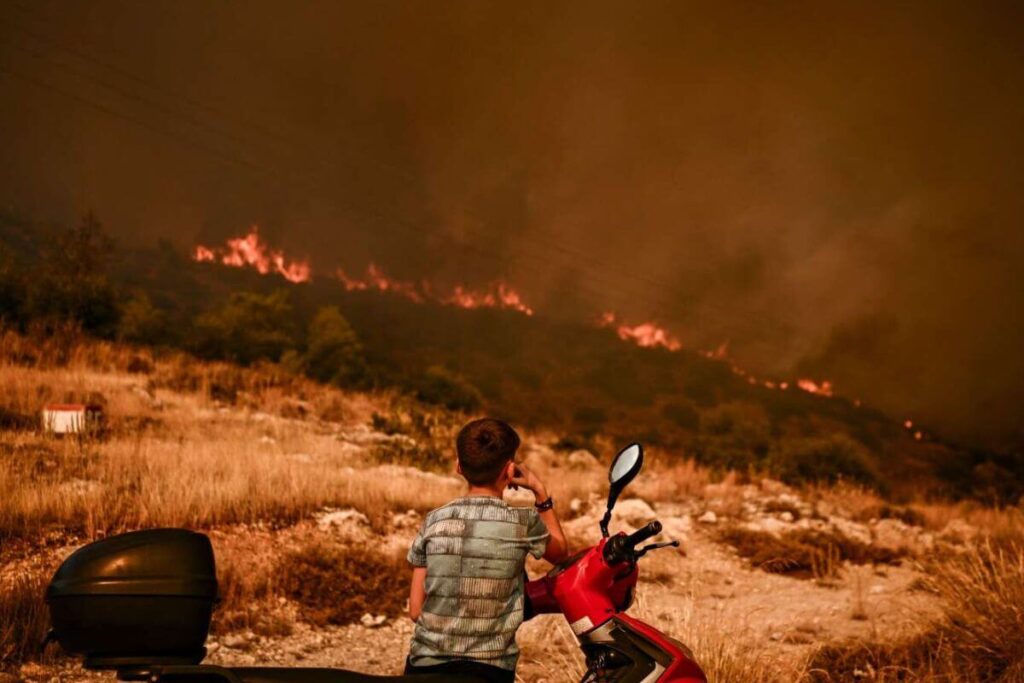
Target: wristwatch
x,y
546,505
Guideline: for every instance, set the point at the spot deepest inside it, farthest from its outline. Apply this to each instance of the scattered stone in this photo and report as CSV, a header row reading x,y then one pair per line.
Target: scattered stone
x,y
267,440
768,525
786,516
410,519
582,459
676,529
576,506
348,518
634,511
708,517
236,641
958,531
370,621
8,678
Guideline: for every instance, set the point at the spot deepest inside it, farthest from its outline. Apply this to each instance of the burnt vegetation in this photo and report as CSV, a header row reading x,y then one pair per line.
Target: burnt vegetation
x,y
581,381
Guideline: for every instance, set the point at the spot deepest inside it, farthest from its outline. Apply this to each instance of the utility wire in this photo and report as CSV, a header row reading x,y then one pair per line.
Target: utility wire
x,y
220,131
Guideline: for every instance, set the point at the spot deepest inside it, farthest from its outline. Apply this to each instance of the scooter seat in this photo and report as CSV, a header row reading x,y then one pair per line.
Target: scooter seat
x,y
310,675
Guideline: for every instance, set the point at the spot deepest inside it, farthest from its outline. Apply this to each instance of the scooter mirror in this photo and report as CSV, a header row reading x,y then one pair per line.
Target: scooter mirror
x,y
624,469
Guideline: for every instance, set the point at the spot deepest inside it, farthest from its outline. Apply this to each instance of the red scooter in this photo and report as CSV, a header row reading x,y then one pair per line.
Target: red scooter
x,y
593,589
140,604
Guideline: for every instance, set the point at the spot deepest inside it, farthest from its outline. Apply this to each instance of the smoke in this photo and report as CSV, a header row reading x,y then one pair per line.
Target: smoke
x,y
831,189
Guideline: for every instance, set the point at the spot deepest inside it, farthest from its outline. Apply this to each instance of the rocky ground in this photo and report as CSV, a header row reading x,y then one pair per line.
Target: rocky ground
x,y
700,589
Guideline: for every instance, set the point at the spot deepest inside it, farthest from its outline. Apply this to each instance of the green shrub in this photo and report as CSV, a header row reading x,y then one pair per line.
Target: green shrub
x,y
333,352
141,322
828,459
249,327
71,283
440,387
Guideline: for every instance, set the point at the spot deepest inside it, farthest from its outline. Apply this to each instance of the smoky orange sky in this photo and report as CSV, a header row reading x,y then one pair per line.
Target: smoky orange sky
x,y
833,189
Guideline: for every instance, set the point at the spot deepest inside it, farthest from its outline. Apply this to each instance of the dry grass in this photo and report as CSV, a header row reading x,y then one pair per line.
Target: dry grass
x,y
803,553
177,458
24,618
223,476
722,650
980,638
339,583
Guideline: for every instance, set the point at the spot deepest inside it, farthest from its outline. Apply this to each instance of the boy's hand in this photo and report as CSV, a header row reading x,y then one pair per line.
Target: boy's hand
x,y
528,480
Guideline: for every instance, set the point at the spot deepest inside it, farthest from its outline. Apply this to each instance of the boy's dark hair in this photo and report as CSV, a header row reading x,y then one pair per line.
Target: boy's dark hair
x,y
485,446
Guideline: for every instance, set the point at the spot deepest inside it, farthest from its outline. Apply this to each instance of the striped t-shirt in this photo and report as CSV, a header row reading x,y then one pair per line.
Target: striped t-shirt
x,y
474,549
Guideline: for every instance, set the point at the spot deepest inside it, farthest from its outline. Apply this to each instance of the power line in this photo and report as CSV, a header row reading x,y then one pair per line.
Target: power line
x,y
522,256
546,246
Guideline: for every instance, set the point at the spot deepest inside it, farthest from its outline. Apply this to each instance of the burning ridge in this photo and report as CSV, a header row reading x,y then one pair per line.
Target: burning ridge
x,y
249,251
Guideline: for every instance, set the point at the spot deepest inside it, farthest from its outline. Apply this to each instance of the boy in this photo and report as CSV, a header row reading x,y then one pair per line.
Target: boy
x,y
468,561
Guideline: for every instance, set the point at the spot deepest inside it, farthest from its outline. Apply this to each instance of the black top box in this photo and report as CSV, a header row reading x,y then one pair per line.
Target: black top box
x,y
137,598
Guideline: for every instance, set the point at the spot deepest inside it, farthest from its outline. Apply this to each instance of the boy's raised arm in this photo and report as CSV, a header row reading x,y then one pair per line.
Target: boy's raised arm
x,y
557,549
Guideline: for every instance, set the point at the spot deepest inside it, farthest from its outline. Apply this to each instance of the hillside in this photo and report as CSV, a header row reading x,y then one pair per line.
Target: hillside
x,y
311,495
582,380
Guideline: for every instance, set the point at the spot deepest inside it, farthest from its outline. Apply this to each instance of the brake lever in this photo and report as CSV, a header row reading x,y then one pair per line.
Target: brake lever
x,y
654,546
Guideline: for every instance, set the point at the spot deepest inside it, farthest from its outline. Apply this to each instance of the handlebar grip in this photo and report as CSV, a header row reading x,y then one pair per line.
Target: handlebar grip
x,y
643,533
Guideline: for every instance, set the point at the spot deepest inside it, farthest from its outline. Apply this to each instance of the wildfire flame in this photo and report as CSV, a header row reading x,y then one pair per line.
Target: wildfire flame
x,y
647,335
498,295
824,388
250,251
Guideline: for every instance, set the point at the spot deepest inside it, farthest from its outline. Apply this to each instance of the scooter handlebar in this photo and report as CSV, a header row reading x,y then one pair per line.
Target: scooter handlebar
x,y
623,548
651,530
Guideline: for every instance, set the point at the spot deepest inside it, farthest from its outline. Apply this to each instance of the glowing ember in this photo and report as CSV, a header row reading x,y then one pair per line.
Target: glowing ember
x,y
908,424
647,335
499,295
502,297
812,387
249,251
203,254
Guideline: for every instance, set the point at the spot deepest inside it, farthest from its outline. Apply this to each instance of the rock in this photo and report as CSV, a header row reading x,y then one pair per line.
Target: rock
x,y
576,506
346,519
676,529
786,516
768,525
894,534
235,641
8,678
370,621
582,460
857,532
708,517
875,590
958,531
634,511
410,519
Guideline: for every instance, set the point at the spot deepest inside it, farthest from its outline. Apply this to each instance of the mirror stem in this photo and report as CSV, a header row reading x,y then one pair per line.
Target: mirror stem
x,y
604,522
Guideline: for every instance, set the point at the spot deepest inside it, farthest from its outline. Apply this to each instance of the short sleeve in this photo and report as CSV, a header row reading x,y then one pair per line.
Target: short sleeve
x,y
418,550
537,534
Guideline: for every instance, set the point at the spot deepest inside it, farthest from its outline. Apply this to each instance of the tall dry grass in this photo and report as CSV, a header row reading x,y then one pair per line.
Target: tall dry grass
x,y
24,618
175,455
723,650
209,479
979,639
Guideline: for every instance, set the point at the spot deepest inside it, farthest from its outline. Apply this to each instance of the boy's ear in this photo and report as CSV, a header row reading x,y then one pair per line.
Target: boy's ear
x,y
510,469
458,467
